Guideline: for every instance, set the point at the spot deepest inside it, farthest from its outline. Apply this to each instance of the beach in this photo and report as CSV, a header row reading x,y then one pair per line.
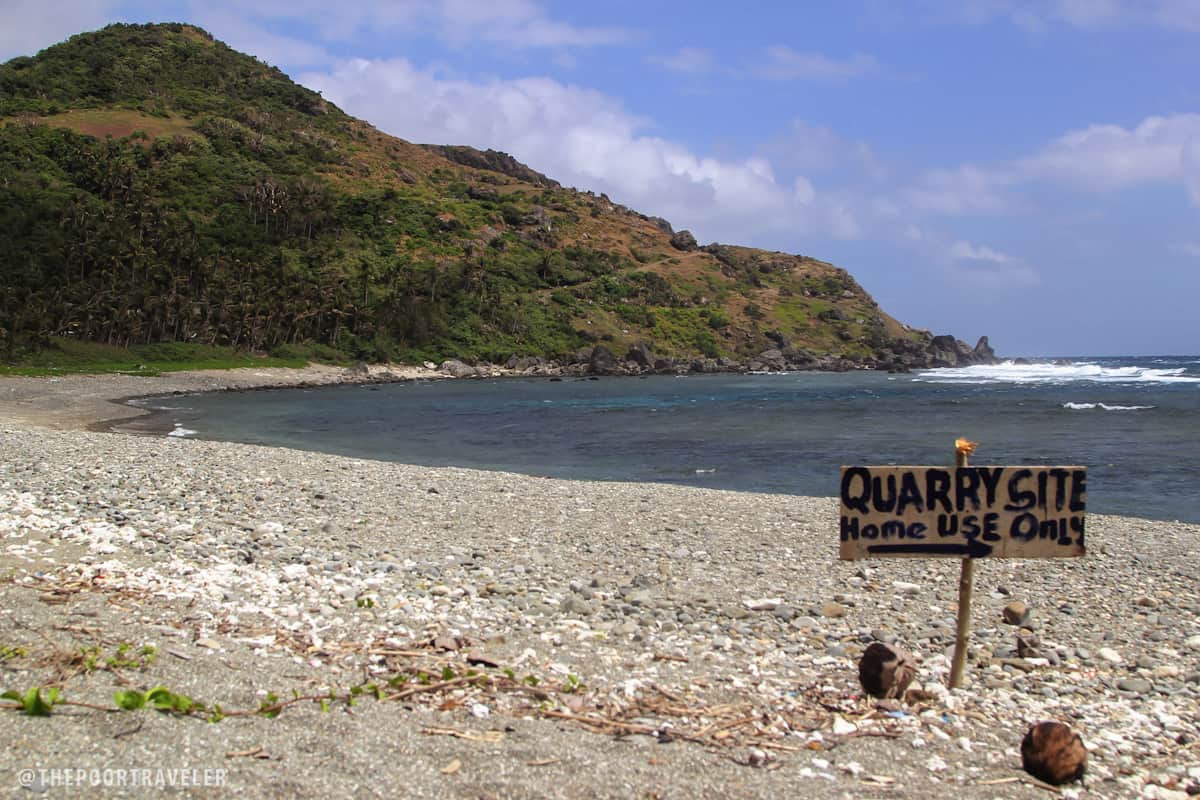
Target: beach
x,y
460,633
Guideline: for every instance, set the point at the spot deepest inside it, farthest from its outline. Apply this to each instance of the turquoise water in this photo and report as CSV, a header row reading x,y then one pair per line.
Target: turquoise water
x,y
1135,423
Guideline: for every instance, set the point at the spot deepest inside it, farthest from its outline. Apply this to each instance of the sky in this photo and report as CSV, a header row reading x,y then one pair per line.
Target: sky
x,y
1024,169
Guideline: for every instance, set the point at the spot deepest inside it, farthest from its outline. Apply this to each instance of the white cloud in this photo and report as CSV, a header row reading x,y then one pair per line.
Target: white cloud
x,y
687,60
1159,149
1162,150
583,137
783,63
965,251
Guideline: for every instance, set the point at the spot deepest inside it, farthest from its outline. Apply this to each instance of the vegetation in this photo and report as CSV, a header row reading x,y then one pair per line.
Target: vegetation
x,y
158,187
65,355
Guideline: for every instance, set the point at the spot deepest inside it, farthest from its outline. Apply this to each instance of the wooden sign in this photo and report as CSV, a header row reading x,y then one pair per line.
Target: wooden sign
x,y
963,512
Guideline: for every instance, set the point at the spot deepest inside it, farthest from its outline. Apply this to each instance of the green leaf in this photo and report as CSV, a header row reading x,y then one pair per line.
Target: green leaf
x,y
447,674
130,700
165,700
35,706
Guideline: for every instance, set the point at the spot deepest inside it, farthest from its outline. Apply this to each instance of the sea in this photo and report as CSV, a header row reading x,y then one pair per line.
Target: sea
x,y
1133,422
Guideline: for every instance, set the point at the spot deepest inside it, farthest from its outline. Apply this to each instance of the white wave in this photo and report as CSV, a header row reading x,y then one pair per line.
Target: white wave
x,y
182,432
1078,371
1104,406
705,471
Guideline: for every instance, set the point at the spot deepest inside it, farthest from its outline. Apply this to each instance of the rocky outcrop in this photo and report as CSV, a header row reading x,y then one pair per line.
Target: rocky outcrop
x,y
898,355
685,241
492,160
984,354
662,225
901,355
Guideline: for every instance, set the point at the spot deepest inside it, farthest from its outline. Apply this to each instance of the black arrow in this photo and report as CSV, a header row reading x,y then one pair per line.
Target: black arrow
x,y
972,549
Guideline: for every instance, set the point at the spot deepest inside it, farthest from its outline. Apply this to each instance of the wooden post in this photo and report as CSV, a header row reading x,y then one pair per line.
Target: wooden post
x,y
966,583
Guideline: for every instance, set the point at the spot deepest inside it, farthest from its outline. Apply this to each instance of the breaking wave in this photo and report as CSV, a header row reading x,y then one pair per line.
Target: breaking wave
x,y
1057,373
1104,406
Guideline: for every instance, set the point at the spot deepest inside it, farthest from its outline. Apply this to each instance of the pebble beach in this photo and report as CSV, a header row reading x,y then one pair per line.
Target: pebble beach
x,y
371,629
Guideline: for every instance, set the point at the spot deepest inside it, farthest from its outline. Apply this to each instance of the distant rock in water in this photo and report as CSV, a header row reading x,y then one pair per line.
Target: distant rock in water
x,y
946,351
984,354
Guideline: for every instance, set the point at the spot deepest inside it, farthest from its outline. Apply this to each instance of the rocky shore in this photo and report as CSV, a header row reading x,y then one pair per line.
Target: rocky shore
x,y
900,355
373,629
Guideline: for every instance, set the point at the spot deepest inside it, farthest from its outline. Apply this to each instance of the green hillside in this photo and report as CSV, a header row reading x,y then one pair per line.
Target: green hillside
x,y
157,186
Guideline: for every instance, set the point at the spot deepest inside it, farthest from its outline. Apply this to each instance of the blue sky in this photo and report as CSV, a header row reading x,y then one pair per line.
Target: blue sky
x,y
1026,170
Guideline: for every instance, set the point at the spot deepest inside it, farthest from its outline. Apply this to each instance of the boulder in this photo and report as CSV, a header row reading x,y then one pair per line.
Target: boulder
x,y
797,356
771,354
524,363
1053,753
640,354
684,240
457,369
665,365
540,217
603,362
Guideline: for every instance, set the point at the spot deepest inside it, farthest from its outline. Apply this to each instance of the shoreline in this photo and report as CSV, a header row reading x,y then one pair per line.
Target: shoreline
x,y
112,402
101,402
683,641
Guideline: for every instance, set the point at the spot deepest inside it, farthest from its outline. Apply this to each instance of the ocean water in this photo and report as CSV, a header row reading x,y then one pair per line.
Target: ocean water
x,y
1135,423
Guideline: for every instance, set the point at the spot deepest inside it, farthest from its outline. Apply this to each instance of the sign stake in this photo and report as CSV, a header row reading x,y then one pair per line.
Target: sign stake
x,y
966,584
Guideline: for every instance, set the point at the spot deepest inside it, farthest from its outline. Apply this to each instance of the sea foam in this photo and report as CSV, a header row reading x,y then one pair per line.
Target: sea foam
x,y
1057,373
1104,407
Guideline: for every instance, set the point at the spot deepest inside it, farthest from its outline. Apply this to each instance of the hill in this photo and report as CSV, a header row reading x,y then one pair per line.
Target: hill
x,y
159,186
